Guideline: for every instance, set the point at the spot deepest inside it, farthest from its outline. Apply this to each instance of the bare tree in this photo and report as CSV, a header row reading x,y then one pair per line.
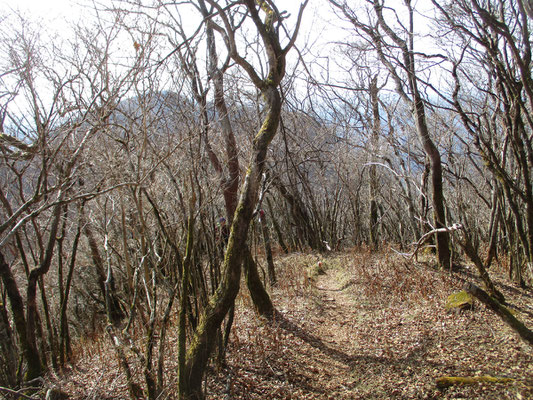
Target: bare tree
x,y
47,125
493,96
397,53
211,318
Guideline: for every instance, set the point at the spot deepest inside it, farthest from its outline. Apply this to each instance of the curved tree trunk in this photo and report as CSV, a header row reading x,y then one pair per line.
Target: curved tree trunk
x,y
439,214
34,364
219,305
259,295
419,112
223,299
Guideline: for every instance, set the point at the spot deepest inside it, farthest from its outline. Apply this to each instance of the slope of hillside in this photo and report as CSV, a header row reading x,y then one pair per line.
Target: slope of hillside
x,y
369,326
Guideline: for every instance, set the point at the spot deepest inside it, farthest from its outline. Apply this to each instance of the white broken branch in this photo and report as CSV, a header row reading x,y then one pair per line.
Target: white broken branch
x,y
425,236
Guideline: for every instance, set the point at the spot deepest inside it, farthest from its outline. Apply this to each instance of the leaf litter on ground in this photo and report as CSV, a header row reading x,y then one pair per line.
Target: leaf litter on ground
x,y
372,327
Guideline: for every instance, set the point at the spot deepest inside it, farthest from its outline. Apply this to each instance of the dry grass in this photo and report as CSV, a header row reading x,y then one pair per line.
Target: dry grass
x,y
373,327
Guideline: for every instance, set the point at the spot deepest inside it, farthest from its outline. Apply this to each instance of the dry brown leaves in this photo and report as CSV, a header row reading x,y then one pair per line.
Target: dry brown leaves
x,y
373,327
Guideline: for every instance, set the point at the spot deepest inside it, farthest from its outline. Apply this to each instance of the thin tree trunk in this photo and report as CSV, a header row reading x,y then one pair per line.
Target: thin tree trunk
x,y
8,355
113,308
65,349
494,226
260,297
376,130
268,248
183,376
29,352
277,228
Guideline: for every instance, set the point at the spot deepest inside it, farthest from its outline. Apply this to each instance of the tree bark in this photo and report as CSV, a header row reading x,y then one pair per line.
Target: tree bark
x,y
277,228
373,182
268,248
259,295
34,365
183,381
483,273
8,355
113,308
223,299
29,353
220,303
419,113
502,312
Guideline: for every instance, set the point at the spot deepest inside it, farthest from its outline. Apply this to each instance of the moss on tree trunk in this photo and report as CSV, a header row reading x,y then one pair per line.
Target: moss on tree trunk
x,y
204,339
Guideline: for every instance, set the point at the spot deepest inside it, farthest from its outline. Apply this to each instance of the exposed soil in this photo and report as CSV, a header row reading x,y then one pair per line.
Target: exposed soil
x,y
374,327
371,327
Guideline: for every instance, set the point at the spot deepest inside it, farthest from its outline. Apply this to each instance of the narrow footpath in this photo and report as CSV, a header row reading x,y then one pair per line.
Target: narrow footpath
x,y
372,327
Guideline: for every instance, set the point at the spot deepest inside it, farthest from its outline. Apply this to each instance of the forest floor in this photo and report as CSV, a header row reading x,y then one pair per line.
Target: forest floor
x,y
364,326
374,326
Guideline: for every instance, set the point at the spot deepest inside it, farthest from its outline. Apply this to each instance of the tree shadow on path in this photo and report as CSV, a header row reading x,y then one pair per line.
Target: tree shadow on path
x,y
414,359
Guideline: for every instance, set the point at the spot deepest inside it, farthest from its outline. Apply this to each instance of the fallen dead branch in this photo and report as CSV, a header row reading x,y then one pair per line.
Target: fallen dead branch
x,y
425,237
507,317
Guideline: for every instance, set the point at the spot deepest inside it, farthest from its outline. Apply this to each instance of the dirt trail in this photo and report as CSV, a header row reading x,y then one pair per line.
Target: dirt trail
x,y
368,329
372,327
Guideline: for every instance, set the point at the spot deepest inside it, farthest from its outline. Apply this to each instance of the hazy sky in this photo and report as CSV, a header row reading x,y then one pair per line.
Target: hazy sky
x,y
70,8
59,13
47,9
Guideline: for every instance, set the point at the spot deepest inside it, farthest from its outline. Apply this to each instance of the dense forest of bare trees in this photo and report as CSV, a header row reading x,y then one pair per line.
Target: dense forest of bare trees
x,y
152,156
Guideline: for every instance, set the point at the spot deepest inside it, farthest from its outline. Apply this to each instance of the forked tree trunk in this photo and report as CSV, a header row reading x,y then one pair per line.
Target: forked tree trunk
x,y
224,297
29,353
229,183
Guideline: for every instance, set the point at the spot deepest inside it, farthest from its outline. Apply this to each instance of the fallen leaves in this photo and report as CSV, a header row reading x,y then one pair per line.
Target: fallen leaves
x,y
369,328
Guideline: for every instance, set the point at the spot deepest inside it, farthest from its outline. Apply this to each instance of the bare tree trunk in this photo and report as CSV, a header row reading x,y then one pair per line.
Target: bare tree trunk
x,y
113,308
419,113
268,248
219,305
29,353
8,355
507,317
183,378
439,213
65,349
277,228
259,295
376,130
35,369
408,90
483,273
302,220
494,225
